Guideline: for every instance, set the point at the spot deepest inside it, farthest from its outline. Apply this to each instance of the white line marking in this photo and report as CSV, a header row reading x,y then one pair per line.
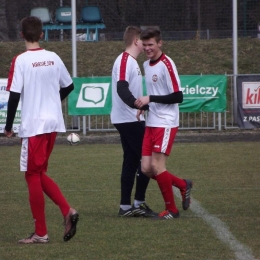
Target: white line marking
x,y
241,251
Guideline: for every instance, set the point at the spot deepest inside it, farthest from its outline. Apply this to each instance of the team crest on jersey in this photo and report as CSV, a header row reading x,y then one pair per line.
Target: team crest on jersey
x,y
154,78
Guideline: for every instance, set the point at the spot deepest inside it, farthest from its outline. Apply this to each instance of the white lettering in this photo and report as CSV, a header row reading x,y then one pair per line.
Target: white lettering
x,y
197,90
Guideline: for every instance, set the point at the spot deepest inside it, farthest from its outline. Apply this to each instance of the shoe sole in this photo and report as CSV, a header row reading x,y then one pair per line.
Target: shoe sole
x,y
71,233
185,207
145,215
142,213
33,242
126,216
163,218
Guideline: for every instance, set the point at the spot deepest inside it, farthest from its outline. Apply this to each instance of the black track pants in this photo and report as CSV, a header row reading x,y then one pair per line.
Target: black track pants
x,y
131,135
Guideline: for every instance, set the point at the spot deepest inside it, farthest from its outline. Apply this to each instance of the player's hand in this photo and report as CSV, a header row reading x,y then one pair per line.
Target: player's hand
x,y
138,103
143,100
8,133
139,113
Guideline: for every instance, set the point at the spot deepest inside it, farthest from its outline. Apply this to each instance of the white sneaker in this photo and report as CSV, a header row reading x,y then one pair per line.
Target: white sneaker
x,y
33,239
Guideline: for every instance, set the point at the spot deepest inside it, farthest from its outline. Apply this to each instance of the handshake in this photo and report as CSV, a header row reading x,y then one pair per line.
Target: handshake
x,y
142,101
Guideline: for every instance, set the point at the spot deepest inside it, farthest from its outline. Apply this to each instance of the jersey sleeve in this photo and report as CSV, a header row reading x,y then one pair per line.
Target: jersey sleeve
x,y
172,76
123,68
65,78
15,77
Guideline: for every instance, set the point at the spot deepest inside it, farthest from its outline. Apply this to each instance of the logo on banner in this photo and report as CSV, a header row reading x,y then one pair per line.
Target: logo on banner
x,y
92,95
251,94
205,92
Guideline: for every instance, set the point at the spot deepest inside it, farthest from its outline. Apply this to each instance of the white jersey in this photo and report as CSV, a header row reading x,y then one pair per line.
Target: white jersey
x,y
162,79
125,68
38,75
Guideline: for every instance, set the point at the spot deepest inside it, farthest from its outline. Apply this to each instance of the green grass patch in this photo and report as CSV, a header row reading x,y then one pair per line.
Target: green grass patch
x,y
226,184
191,57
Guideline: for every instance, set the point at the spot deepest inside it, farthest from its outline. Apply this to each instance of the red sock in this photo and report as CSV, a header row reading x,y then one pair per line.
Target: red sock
x,y
178,182
37,203
52,190
165,185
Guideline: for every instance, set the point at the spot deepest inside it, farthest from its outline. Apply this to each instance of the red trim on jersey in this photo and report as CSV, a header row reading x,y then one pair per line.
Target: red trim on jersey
x,y
36,49
123,63
169,67
11,74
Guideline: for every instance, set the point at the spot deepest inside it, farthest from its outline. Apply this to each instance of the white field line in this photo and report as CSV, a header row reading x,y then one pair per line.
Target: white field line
x,y
242,252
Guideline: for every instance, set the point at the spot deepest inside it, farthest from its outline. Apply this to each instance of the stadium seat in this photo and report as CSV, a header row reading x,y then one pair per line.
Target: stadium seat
x,y
91,14
91,21
63,15
42,13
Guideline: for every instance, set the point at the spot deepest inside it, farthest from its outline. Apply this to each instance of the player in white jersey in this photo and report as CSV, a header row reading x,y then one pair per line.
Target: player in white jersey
x,y
164,94
126,87
41,80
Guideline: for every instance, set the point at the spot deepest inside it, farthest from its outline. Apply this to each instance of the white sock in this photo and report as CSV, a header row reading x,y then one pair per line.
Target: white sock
x,y
138,202
125,207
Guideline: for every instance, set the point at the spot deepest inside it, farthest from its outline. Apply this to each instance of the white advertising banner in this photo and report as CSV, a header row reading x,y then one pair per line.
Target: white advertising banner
x,y
4,96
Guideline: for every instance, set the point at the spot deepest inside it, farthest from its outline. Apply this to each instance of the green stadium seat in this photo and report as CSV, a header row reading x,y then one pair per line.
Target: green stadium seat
x,y
91,14
63,15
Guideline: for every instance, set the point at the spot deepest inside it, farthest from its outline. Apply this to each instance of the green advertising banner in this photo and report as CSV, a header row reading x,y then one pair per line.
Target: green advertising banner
x,y
203,93
92,96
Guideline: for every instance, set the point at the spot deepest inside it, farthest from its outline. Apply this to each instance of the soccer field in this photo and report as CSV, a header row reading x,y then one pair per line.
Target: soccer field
x,y
223,221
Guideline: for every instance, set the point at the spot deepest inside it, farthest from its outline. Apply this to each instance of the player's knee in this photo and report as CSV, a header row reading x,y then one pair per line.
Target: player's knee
x,y
147,170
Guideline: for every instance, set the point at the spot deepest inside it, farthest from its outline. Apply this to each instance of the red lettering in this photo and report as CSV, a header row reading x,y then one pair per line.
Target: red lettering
x,y
249,97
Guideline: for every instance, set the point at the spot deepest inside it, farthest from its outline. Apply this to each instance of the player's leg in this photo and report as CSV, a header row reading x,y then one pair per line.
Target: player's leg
x,y
135,139
147,148
184,185
163,140
35,149
140,208
50,187
163,179
128,170
52,190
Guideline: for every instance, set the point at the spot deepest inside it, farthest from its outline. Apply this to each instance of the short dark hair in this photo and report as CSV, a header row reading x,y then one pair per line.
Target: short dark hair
x,y
151,32
31,28
131,32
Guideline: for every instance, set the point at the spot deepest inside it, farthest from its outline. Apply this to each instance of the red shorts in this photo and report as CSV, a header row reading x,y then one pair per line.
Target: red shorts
x,y
158,140
36,151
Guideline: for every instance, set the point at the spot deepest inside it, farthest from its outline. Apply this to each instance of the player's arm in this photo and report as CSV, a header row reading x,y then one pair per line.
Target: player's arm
x,y
64,92
125,94
12,105
173,98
